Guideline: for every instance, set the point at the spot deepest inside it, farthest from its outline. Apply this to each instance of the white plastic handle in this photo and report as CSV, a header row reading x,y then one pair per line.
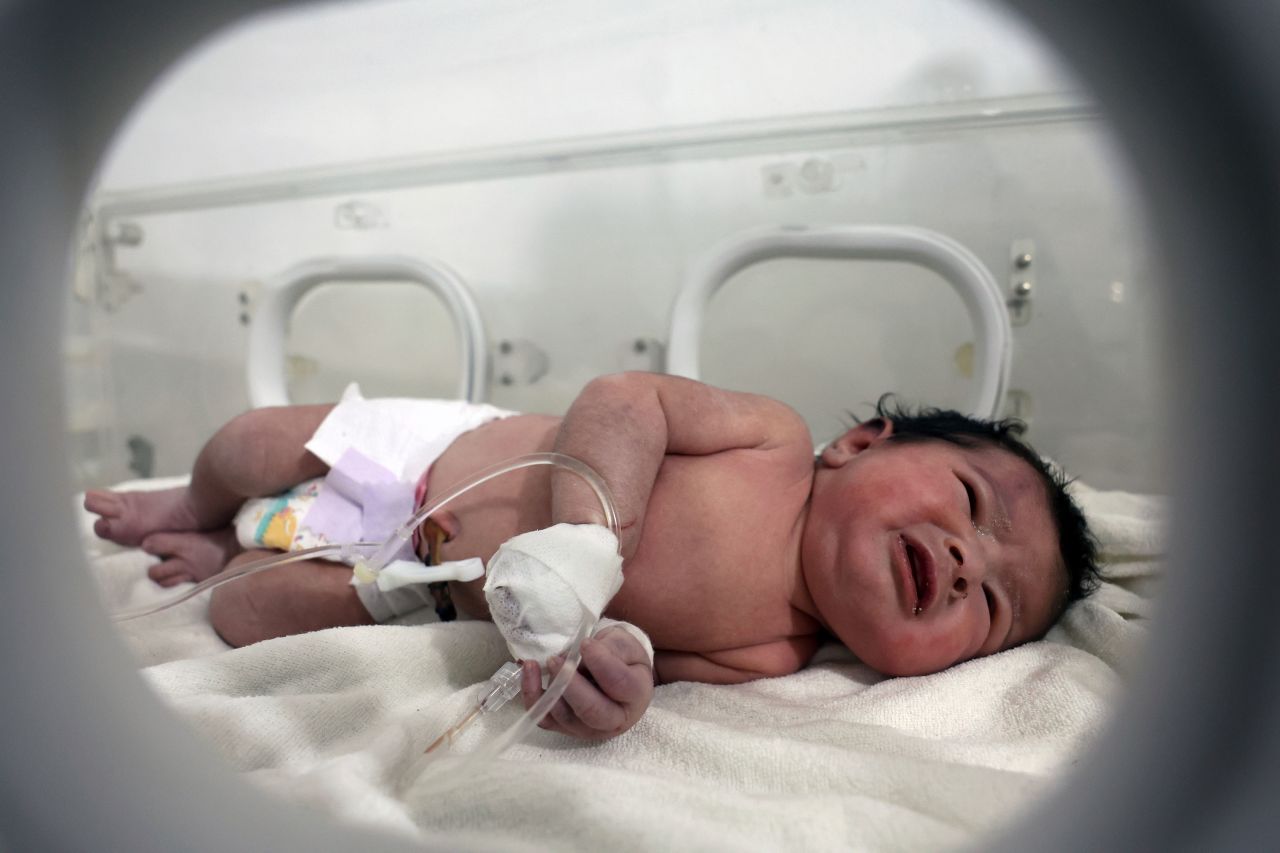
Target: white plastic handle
x,y
281,294
993,348
400,573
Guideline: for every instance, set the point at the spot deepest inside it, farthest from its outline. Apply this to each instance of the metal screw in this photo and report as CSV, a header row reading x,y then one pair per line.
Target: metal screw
x,y
507,379
1022,289
505,348
1022,261
639,346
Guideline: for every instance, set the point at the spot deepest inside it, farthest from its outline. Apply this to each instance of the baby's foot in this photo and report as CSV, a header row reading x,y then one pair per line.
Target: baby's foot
x,y
129,517
189,556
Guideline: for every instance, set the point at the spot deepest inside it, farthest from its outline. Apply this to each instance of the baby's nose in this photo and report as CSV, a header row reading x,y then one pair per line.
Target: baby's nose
x,y
964,568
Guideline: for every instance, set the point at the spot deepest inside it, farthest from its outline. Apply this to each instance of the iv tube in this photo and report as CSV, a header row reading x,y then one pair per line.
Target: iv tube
x,y
389,548
367,569
341,552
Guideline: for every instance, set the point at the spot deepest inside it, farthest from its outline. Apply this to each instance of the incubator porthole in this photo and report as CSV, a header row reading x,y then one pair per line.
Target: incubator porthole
x,y
975,143
365,329
1093,290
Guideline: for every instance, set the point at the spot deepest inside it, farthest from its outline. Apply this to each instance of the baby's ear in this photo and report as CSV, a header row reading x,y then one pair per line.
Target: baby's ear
x,y
856,440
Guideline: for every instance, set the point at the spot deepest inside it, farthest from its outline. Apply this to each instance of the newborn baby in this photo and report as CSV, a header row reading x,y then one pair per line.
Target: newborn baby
x,y
917,540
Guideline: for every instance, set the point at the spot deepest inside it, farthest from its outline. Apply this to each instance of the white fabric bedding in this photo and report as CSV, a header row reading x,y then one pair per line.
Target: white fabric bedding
x,y
832,757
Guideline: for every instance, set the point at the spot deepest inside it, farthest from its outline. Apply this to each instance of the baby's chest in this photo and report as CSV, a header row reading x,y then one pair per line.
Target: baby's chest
x,y
715,566
692,610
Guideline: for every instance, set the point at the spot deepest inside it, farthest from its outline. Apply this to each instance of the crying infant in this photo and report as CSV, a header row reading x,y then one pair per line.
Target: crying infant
x,y
917,539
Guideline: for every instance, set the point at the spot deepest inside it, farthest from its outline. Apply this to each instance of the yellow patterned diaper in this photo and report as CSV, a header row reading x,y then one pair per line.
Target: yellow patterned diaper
x,y
275,522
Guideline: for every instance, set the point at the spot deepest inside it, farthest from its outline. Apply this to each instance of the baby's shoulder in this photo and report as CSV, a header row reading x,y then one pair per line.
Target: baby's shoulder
x,y
790,441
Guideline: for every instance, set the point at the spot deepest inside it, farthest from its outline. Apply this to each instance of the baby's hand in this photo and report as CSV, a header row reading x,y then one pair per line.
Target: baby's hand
x,y
607,695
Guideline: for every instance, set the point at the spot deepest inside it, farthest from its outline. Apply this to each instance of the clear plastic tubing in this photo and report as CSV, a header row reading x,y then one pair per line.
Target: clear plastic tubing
x,y
389,548
350,550
382,553
504,684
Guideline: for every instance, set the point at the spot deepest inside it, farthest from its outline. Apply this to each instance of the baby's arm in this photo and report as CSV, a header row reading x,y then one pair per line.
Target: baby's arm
x,y
625,424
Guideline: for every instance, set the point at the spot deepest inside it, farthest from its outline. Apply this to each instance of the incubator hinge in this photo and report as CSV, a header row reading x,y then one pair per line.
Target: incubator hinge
x,y
1017,405
813,175
359,215
98,279
519,362
647,354
1022,281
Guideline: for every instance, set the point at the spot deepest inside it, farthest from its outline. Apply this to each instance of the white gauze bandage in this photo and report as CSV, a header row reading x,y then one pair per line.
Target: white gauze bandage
x,y
538,583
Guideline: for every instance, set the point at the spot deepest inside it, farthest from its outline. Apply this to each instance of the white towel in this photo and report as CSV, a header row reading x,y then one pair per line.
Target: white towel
x,y
833,757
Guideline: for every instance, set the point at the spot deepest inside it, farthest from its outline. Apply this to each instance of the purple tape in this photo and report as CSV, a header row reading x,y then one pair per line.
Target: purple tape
x,y
361,501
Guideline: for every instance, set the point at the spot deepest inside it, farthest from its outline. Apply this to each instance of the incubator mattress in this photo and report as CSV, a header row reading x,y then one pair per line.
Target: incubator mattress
x,y
832,757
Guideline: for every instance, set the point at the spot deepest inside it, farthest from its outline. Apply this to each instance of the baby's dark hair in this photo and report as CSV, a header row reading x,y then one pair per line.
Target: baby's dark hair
x,y
1076,543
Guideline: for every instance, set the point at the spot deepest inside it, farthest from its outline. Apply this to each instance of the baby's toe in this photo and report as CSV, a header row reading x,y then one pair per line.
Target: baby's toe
x,y
170,572
158,544
102,528
102,502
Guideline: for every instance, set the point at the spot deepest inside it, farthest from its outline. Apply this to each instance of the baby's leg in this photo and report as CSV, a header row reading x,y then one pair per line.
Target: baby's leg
x,y
255,454
305,596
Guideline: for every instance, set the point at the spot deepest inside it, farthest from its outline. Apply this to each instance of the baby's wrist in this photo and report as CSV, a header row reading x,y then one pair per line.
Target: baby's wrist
x,y
604,623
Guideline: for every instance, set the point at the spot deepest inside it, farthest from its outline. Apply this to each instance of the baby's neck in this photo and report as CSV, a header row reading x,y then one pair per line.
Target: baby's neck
x,y
800,598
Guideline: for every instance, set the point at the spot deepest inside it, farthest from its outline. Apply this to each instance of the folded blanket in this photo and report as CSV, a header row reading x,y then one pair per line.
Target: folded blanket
x,y
834,756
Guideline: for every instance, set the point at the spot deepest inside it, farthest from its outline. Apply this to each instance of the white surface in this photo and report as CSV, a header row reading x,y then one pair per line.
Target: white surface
x,y
832,757
381,79
581,263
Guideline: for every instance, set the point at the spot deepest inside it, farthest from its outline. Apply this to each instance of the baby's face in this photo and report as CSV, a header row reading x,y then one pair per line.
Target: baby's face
x,y
923,554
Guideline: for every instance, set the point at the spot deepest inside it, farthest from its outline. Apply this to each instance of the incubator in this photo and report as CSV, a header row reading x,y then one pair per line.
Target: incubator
x,y
1006,171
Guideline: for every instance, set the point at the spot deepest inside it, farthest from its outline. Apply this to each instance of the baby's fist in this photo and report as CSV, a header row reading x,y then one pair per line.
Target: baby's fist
x,y
607,695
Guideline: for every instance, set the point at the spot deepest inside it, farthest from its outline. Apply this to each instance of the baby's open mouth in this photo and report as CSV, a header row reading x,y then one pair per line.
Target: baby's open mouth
x,y
921,574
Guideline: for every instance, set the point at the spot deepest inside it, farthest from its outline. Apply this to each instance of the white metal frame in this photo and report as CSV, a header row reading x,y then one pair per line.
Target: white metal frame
x,y
280,297
613,150
960,268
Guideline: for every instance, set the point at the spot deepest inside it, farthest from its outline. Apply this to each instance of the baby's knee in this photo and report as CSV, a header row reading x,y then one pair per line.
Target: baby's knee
x,y
288,425
261,451
233,614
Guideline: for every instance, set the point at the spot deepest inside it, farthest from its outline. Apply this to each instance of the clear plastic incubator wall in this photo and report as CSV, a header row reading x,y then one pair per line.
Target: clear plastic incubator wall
x,y
570,166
